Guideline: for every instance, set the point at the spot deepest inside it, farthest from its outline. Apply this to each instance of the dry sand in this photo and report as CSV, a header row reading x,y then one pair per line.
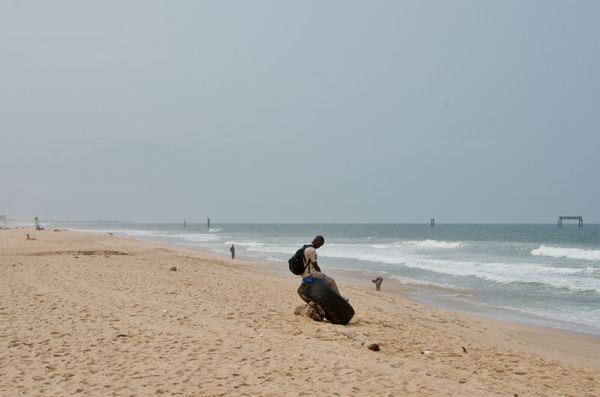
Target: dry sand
x,y
89,314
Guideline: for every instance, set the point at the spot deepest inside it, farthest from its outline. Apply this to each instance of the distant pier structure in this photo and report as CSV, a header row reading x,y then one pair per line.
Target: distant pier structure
x,y
570,217
432,222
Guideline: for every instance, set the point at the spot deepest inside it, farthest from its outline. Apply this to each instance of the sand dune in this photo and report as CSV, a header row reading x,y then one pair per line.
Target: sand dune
x,y
89,314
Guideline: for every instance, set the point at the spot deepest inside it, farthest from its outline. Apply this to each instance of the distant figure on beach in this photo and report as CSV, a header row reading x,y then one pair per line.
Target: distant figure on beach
x,y
30,238
378,280
37,223
312,268
232,249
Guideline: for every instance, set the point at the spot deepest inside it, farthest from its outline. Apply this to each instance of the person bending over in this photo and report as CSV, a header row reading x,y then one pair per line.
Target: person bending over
x,y
378,282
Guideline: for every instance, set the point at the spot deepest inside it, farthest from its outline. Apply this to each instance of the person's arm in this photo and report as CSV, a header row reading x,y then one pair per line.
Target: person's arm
x,y
315,265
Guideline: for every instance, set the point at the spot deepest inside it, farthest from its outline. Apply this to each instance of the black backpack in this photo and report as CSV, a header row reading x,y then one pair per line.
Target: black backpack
x,y
296,262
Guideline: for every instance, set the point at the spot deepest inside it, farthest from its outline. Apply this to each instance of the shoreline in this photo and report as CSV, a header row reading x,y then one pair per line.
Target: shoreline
x,y
93,314
437,296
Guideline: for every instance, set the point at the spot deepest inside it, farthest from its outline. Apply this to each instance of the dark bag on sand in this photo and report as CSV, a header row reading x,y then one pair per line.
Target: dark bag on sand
x,y
296,262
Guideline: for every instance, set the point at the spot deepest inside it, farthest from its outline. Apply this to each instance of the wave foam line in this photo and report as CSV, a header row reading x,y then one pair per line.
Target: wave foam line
x,y
435,244
504,273
571,253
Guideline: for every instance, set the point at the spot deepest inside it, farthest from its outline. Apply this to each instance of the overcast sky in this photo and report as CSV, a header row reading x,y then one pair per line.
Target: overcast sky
x,y
303,111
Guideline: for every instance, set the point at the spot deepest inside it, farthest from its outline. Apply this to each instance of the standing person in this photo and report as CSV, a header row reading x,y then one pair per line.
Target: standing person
x,y
378,282
232,249
312,268
37,223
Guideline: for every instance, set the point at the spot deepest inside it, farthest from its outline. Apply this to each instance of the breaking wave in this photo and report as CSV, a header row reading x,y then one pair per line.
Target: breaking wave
x,y
571,253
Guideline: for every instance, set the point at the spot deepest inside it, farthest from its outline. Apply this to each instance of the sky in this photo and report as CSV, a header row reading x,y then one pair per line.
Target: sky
x,y
300,111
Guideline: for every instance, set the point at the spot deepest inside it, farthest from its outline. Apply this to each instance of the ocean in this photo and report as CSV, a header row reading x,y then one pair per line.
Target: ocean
x,y
538,274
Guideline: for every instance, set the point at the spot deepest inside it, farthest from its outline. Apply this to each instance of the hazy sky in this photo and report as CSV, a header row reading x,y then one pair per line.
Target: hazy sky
x,y
309,111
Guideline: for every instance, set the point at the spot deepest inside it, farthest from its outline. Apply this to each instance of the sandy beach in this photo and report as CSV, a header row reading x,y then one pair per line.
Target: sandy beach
x,y
100,315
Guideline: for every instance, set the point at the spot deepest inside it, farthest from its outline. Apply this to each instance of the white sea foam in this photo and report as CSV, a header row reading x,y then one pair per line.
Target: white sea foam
x,y
123,232
556,277
190,237
381,246
411,281
435,244
588,318
269,248
377,253
97,230
247,243
390,253
572,253
196,237
274,259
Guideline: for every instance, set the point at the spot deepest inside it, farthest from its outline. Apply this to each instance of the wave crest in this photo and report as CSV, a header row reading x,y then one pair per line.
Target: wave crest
x,y
571,253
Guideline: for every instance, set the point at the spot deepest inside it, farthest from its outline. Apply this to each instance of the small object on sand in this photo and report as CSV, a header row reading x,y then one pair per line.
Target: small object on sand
x,y
110,234
310,310
314,311
464,349
174,269
426,352
374,347
121,334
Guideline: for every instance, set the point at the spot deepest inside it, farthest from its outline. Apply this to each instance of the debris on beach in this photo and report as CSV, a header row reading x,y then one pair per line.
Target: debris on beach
x,y
374,347
310,310
361,338
464,349
174,269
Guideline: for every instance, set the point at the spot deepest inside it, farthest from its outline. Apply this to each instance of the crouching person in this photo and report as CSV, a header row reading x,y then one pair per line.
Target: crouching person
x,y
312,268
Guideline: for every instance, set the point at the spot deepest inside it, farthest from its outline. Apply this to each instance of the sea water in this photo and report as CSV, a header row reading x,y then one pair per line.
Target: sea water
x,y
535,273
